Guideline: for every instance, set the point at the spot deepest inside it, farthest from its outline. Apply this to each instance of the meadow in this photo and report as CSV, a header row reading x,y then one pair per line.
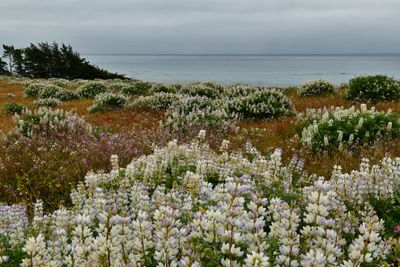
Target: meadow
x,y
129,173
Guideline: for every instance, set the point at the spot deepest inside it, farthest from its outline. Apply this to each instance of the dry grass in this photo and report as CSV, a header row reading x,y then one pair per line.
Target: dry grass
x,y
264,134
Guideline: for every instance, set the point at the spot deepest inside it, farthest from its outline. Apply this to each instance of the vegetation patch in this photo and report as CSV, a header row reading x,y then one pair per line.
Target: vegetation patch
x,y
91,89
373,89
340,128
108,101
315,88
13,108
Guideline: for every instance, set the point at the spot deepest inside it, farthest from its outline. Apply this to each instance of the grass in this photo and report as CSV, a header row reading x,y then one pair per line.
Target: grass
x,y
265,135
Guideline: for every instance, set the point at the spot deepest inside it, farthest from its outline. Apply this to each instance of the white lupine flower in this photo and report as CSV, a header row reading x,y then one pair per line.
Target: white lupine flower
x,y
256,260
35,248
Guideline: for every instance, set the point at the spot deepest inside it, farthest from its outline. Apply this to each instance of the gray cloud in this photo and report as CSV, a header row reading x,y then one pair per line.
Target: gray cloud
x,y
205,26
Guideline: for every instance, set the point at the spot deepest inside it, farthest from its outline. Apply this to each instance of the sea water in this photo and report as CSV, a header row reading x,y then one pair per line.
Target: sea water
x,y
269,70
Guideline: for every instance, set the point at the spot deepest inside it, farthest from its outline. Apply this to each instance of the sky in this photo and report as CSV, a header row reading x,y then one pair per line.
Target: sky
x,y
205,26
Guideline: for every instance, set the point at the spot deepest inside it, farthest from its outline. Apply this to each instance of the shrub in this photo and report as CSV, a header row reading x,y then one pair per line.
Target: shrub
x,y
373,89
33,89
138,88
108,101
63,83
336,128
91,89
12,108
48,102
265,104
315,88
166,88
155,102
45,120
239,91
197,111
116,87
49,91
66,95
208,90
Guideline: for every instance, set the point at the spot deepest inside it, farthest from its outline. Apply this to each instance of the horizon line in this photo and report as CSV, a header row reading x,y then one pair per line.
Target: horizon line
x,y
241,54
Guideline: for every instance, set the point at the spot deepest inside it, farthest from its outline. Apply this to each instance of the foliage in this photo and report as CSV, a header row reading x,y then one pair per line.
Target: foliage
x,y
156,102
265,104
3,68
66,95
46,60
49,91
194,111
373,89
209,90
315,88
91,89
137,88
33,89
12,108
108,101
48,102
335,128
61,83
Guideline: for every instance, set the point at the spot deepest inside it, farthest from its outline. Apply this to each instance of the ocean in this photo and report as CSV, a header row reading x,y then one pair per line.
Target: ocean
x,y
268,70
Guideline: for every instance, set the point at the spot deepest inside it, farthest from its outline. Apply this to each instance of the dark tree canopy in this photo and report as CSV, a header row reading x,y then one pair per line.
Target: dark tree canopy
x,y
46,60
3,68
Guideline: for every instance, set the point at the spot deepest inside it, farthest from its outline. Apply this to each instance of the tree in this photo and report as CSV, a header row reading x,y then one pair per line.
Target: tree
x,y
3,68
46,60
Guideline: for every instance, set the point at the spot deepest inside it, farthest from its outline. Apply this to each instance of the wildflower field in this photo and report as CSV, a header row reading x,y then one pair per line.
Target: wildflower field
x,y
130,173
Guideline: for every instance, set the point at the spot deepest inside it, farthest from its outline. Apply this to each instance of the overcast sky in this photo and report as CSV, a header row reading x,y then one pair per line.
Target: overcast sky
x,y
205,26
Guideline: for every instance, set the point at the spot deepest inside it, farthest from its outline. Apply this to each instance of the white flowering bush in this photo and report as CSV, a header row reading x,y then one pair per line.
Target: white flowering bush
x,y
33,89
209,89
373,89
91,89
315,88
165,88
61,82
338,127
197,111
49,91
108,101
47,120
156,102
187,205
137,88
47,102
260,103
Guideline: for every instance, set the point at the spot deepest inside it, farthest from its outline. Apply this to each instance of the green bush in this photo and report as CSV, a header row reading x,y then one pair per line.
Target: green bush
x,y
139,88
373,89
65,95
345,128
165,88
203,89
91,89
49,91
48,102
12,108
156,102
315,88
61,82
264,104
33,89
108,101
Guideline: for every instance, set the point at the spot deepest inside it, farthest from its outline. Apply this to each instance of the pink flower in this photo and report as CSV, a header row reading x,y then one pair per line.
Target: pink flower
x,y
397,229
